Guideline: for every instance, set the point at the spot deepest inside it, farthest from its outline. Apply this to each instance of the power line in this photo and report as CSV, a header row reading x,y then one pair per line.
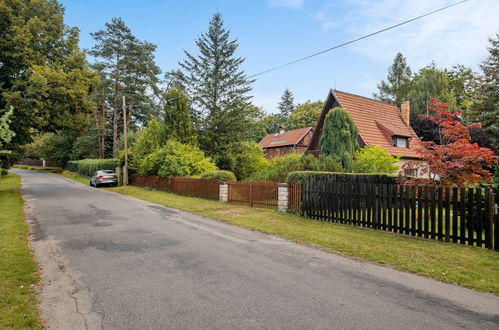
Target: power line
x,y
358,39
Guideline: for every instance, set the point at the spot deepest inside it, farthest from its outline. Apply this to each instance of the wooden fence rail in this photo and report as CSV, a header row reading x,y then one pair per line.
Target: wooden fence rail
x,y
255,193
209,189
457,215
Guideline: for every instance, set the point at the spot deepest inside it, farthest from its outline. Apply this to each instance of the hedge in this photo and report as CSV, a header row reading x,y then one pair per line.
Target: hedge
x,y
88,167
219,175
302,176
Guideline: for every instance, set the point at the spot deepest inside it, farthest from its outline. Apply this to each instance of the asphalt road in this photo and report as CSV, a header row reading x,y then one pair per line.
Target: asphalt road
x,y
114,262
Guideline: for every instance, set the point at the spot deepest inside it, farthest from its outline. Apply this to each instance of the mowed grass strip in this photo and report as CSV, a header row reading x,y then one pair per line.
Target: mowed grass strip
x,y
472,267
18,270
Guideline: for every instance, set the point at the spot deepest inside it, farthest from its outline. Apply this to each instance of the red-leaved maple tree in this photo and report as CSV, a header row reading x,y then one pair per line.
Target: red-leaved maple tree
x,y
456,161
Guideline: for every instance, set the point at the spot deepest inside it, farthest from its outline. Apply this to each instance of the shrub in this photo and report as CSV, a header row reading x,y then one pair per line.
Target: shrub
x,y
496,174
244,159
176,159
219,175
280,167
373,159
87,167
302,176
3,172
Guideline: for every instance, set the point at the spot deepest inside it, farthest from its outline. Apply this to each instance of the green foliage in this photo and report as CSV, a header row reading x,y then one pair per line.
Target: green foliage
x,y
44,75
302,176
280,167
244,159
149,139
305,115
373,159
177,114
218,89
339,137
126,66
88,167
176,159
286,106
398,84
486,107
430,82
496,174
219,175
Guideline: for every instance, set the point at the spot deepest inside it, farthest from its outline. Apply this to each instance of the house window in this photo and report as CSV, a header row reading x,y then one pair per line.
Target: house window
x,y
400,142
411,172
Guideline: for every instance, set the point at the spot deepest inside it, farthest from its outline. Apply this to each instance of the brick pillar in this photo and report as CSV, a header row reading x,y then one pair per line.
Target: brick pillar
x,y
224,192
282,197
406,112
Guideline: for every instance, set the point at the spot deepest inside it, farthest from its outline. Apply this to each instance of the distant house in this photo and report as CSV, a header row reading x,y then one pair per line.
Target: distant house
x,y
285,142
379,124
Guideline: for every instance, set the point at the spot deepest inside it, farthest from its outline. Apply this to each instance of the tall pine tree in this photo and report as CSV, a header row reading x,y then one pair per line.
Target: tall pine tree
x,y
339,137
127,68
218,89
398,83
486,107
286,106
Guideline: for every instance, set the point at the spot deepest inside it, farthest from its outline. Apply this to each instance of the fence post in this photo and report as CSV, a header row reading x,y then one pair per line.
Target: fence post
x,y
282,197
224,192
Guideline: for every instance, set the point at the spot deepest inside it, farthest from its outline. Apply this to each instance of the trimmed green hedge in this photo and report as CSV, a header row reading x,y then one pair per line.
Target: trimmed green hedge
x,y
302,176
87,167
219,175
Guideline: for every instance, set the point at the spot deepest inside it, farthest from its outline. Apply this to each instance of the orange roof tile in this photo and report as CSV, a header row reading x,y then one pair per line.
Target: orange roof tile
x,y
285,138
369,115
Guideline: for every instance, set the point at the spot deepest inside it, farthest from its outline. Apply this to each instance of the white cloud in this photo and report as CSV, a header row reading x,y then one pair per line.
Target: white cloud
x,y
456,35
293,4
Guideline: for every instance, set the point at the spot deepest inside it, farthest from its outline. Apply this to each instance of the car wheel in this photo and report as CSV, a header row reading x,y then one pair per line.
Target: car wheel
x,y
96,185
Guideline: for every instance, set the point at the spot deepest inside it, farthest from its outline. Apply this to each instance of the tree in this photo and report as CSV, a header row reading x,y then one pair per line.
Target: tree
x,y
430,82
456,161
127,68
244,159
373,159
286,106
486,107
462,85
398,84
339,137
305,115
177,115
218,89
43,73
6,134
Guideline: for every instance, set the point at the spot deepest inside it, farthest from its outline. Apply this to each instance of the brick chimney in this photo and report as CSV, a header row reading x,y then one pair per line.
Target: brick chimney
x,y
405,108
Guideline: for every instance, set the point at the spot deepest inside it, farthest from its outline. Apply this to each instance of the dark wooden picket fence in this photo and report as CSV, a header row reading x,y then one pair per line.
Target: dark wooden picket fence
x,y
209,189
457,215
255,193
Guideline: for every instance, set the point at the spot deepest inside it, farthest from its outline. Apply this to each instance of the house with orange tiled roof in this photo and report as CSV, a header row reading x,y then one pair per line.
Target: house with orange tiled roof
x,y
379,124
285,142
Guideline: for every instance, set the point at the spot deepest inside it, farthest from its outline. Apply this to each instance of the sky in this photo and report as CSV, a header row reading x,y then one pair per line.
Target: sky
x,y
274,32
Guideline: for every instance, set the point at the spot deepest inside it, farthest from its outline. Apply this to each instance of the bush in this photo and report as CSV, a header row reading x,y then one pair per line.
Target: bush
x,y
496,174
302,176
280,167
373,159
176,159
88,167
244,159
3,172
219,175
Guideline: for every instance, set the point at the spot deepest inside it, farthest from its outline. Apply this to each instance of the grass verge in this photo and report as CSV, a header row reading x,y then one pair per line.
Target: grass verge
x,y
18,270
468,266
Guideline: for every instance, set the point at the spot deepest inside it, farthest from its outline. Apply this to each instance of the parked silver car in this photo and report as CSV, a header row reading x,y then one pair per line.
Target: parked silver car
x,y
104,178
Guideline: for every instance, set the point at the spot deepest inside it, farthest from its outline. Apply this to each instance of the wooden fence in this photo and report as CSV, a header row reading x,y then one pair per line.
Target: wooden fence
x,y
457,215
294,196
255,193
209,189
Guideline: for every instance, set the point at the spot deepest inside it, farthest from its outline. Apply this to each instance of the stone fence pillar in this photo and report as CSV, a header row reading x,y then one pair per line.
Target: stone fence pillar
x,y
224,192
282,197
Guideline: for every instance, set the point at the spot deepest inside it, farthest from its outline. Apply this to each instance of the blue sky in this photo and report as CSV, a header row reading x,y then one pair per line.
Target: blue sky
x,y
273,32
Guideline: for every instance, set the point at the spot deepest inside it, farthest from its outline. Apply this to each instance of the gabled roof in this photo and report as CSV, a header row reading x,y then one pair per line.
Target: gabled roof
x,y
375,120
286,138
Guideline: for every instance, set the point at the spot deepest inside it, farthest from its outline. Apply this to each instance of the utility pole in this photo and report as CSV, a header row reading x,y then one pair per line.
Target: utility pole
x,y
125,168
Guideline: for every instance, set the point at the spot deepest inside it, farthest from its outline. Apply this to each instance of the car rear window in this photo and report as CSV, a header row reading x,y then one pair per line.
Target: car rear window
x,y
106,172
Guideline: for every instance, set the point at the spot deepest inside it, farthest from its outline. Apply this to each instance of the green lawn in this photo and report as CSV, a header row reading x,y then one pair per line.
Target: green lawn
x,y
18,270
468,266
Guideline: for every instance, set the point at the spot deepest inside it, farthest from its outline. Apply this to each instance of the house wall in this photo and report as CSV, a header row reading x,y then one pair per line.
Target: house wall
x,y
422,166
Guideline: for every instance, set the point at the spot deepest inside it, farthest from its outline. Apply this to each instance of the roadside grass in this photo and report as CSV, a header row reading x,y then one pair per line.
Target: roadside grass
x,y
76,177
468,266
18,270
